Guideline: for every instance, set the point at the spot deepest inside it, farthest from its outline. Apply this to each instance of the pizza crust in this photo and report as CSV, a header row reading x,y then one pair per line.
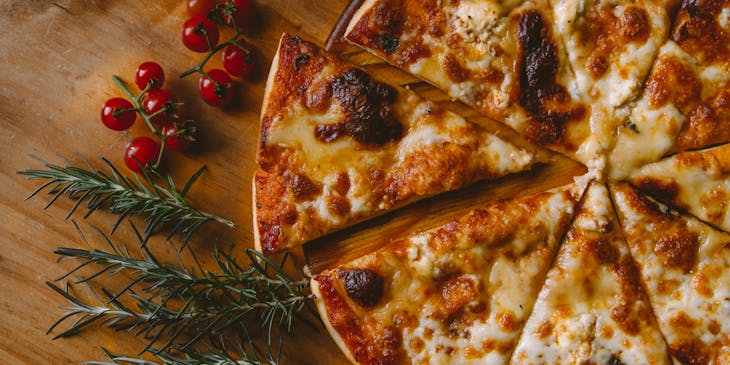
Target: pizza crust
x,y
322,309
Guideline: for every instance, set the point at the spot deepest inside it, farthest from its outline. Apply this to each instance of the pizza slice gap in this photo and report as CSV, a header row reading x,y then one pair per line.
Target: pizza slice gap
x,y
592,303
338,147
500,57
697,182
455,294
685,266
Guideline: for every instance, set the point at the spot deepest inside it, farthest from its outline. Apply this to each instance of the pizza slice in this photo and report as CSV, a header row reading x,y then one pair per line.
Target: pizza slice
x,y
611,44
686,100
338,147
697,182
500,57
459,293
592,303
685,265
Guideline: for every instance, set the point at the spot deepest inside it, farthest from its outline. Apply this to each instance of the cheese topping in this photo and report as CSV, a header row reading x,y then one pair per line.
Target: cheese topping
x,y
686,269
591,306
338,147
458,293
697,181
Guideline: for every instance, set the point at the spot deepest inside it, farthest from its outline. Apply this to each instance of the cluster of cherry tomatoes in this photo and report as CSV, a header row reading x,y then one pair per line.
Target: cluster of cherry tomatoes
x,y
201,34
158,109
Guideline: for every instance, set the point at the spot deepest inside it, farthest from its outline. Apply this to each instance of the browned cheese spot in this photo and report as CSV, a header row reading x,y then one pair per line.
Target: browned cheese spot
x,y
369,115
672,82
364,286
600,249
454,69
678,249
548,103
665,191
690,352
697,31
544,329
457,293
303,187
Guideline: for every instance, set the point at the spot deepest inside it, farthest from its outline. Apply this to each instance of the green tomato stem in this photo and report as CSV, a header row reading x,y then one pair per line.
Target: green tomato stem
x,y
147,118
211,52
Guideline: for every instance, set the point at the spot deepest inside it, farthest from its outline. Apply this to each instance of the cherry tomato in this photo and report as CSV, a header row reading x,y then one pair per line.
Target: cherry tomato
x,y
149,72
243,13
157,99
141,151
216,95
176,143
199,7
237,61
118,114
193,34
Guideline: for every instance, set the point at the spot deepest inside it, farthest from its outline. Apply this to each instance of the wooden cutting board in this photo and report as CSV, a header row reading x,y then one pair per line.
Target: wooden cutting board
x,y
55,72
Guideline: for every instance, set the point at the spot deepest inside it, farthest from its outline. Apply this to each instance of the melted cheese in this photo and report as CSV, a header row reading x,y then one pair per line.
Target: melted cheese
x,y
700,181
689,305
504,278
650,132
376,178
572,321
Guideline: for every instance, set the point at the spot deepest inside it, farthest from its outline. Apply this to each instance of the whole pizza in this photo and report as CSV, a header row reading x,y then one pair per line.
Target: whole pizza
x,y
630,264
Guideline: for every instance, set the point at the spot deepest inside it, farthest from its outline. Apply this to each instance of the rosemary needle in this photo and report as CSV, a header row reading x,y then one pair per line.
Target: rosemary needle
x,y
161,206
180,309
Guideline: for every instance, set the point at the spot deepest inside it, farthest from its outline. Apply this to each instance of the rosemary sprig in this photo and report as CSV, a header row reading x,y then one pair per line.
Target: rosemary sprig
x,y
181,309
162,206
194,357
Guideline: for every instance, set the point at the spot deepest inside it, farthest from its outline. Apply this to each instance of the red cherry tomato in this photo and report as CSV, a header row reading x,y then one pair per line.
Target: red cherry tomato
x,y
141,151
118,114
237,61
243,13
199,7
173,142
149,72
193,34
157,99
216,95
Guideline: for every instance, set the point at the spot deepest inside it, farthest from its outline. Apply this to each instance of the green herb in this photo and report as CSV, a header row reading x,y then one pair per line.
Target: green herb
x,y
163,207
205,316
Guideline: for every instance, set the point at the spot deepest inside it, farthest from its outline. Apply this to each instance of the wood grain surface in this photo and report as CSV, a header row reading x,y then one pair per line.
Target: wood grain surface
x,y
55,72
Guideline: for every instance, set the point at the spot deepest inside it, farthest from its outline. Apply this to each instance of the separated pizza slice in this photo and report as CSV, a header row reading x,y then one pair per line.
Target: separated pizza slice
x,y
457,294
500,57
686,100
697,182
685,265
338,147
593,308
612,44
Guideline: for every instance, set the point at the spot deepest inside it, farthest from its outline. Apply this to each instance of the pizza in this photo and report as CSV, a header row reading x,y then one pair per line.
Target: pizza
x,y
459,293
685,265
628,265
697,182
338,146
593,302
